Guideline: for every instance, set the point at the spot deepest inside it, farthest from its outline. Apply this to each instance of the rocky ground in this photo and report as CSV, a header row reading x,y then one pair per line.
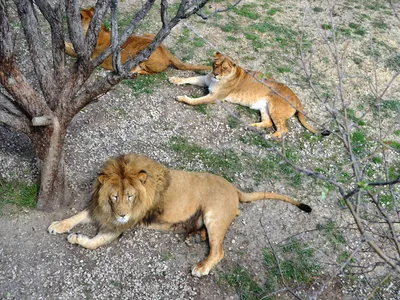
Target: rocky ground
x,y
146,264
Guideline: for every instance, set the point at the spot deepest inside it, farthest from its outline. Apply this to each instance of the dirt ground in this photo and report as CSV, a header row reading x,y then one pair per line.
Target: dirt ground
x,y
146,264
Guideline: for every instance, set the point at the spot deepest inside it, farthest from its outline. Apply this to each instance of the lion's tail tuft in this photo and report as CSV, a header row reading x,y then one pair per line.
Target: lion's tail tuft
x,y
249,197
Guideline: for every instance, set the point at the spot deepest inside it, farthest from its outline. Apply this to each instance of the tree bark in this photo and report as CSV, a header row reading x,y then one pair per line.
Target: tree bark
x,y
49,144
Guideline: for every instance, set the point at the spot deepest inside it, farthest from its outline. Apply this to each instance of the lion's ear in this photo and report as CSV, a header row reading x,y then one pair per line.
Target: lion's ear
x,y
217,55
90,11
102,179
142,176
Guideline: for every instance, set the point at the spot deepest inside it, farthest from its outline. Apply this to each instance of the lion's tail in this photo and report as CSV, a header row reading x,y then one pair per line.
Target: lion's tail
x,y
303,121
180,65
249,197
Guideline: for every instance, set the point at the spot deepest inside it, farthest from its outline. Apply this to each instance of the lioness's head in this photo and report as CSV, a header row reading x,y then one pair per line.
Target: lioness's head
x,y
223,66
86,17
127,188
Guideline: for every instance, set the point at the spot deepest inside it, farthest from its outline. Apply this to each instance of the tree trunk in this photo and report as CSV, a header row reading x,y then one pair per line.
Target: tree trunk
x,y
49,144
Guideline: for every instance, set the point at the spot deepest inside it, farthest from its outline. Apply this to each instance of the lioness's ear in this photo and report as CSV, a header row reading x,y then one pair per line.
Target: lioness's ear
x,y
91,11
102,179
216,55
142,176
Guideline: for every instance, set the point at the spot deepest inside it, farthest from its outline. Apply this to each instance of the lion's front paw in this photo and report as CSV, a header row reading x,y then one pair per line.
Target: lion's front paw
x,y
59,227
184,99
175,80
77,238
200,270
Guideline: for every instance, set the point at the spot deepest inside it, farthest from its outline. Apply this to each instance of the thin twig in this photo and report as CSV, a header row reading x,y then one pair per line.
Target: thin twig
x,y
217,11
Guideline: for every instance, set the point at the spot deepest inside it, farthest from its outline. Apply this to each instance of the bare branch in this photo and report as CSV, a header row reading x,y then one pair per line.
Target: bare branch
x,y
389,222
394,10
36,45
94,28
164,13
54,18
20,90
19,123
116,58
42,121
216,11
11,115
74,26
371,295
11,77
338,271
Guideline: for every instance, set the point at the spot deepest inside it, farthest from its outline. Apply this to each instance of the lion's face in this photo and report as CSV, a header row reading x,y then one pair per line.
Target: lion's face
x,y
120,197
222,66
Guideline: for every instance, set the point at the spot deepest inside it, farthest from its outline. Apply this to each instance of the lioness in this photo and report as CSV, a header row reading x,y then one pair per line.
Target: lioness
x,y
158,61
229,82
134,190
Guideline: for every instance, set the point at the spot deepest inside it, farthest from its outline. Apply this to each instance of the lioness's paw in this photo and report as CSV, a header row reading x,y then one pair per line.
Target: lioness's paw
x,y
59,227
175,80
200,270
77,238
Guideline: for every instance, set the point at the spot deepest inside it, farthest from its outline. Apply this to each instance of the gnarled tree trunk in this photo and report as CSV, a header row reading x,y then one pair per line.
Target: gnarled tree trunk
x,y
49,146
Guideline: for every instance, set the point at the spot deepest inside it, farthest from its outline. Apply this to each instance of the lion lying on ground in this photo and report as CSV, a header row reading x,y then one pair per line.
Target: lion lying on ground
x,y
134,190
158,61
227,81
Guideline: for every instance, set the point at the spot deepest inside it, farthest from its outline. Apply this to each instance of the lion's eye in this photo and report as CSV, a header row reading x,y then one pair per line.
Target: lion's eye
x,y
130,197
114,197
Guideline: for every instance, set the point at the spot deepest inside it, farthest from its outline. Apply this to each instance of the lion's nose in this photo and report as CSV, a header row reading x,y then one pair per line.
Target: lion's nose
x,y
122,216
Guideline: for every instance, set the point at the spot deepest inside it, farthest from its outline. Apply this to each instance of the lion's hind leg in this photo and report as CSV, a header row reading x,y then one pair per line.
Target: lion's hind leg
x,y
202,233
216,229
197,80
66,225
265,119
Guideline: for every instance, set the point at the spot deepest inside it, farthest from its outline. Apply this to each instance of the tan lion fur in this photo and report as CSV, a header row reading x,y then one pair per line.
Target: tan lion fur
x,y
158,61
134,190
231,83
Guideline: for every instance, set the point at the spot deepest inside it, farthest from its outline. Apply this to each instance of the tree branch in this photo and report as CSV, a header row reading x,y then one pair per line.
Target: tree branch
x,y
12,116
116,51
394,10
74,26
216,11
11,78
94,28
36,45
54,18
20,123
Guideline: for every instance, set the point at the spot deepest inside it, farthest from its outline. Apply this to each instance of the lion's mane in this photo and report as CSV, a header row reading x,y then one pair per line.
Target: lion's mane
x,y
149,199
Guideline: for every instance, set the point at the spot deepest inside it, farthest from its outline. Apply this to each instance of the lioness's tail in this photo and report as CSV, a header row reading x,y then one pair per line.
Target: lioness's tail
x,y
303,121
180,65
249,197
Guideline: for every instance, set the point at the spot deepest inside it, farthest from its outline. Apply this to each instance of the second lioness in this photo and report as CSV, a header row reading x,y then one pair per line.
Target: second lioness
x,y
158,61
275,101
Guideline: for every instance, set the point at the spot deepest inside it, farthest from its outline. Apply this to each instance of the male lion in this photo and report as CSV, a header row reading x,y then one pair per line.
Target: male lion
x,y
227,81
134,190
158,61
